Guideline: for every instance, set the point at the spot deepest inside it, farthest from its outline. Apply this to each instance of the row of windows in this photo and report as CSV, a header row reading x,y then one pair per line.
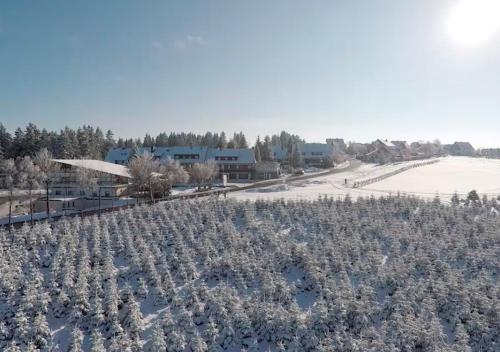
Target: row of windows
x,y
228,158
66,205
59,192
186,156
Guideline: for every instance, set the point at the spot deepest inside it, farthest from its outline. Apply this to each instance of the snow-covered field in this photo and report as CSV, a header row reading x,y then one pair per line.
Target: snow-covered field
x,y
449,175
393,274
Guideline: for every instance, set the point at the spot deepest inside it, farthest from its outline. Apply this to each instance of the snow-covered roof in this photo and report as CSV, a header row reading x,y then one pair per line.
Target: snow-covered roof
x,y
97,165
243,155
400,144
386,143
170,152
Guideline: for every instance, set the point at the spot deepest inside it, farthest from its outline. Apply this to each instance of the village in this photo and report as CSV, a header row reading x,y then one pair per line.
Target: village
x,y
76,186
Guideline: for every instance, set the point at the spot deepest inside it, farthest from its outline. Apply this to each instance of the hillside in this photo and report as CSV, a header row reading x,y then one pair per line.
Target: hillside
x,y
389,274
443,179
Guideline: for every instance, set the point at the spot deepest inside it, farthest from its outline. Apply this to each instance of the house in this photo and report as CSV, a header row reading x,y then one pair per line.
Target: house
x,y
185,155
491,153
403,149
459,149
280,154
266,170
422,150
358,149
383,151
118,156
67,193
237,164
316,154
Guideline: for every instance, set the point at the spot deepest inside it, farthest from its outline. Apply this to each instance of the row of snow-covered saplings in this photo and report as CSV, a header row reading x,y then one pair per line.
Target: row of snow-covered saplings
x,y
297,276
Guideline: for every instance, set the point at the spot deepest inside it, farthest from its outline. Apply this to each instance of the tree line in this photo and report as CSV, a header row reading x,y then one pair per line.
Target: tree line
x,y
93,143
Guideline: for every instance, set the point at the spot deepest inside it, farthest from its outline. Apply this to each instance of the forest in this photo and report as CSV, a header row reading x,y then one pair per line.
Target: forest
x,y
88,142
374,274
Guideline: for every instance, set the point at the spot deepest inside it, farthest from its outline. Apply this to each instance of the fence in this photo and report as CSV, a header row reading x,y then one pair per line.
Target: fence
x,y
369,181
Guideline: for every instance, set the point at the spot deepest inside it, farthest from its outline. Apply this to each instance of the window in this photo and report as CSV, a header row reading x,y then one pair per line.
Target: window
x,y
107,194
58,192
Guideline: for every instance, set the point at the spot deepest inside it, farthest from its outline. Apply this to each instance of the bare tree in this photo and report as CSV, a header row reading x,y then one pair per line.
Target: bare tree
x,y
9,171
48,168
172,173
143,169
28,178
203,174
88,180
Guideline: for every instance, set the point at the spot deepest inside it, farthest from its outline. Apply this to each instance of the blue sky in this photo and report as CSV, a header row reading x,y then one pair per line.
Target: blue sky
x,y
357,69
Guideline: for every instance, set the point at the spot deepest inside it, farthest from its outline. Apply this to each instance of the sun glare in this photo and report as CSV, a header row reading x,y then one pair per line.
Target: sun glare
x,y
474,22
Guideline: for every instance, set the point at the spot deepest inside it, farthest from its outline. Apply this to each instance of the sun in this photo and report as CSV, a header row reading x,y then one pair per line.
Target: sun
x,y
474,22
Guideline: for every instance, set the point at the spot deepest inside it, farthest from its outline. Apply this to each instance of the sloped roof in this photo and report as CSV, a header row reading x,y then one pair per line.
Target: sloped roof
x,y
169,152
244,155
386,143
118,154
97,165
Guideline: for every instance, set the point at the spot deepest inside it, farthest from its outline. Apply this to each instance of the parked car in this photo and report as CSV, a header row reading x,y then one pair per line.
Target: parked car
x,y
298,172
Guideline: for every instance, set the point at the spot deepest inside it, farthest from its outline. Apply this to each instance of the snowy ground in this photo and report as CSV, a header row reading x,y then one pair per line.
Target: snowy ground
x,y
42,215
451,174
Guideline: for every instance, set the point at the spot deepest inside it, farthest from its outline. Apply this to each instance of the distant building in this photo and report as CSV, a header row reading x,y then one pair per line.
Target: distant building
x,y
459,149
237,164
66,192
403,149
491,153
316,154
186,156
383,151
358,149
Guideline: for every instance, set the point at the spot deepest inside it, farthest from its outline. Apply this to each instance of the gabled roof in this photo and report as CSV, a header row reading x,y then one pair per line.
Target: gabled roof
x,y
97,165
386,143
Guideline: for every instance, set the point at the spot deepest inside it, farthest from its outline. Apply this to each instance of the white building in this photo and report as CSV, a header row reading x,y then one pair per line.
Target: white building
x,y
67,193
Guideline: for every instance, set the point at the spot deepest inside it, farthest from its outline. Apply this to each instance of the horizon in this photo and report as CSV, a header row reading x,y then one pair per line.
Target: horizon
x,y
251,141
348,69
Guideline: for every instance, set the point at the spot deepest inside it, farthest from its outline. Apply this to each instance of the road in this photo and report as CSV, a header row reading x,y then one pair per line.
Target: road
x,y
353,164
